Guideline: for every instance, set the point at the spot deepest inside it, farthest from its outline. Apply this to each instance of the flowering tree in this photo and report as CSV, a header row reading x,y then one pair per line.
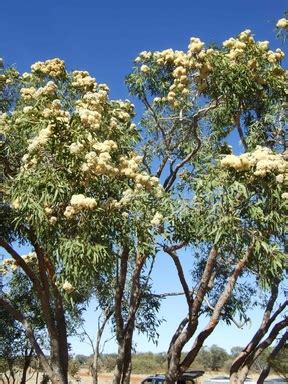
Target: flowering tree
x,y
230,211
70,175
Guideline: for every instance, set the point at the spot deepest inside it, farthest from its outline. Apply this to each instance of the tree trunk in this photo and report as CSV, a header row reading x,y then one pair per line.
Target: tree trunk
x,y
123,365
264,373
27,361
94,366
11,370
267,320
240,376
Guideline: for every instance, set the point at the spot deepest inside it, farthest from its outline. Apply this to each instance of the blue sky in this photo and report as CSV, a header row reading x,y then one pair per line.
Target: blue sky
x,y
104,37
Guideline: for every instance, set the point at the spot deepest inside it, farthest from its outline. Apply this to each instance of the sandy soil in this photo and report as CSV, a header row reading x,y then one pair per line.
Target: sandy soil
x,y
106,378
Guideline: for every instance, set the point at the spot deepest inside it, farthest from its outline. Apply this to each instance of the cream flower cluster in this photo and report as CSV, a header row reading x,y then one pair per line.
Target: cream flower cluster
x,y
8,264
274,57
237,47
32,93
53,68
13,265
130,167
195,45
262,162
79,203
99,164
157,219
93,100
105,146
127,198
68,287
52,219
48,90
90,108
124,112
54,112
198,63
76,147
30,257
239,43
28,93
144,68
282,23
4,126
82,80
40,140
90,118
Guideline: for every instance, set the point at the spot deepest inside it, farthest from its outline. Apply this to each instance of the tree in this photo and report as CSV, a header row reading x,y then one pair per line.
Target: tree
x,y
70,172
223,210
218,355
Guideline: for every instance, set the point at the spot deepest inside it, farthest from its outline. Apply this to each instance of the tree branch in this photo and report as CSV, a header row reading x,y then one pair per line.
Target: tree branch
x,y
171,252
20,261
241,133
224,297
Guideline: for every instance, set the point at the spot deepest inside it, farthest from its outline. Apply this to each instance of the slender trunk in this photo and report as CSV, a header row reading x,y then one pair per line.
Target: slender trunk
x,y
7,378
27,361
37,376
252,357
240,376
53,311
123,366
94,366
54,371
11,370
189,325
264,374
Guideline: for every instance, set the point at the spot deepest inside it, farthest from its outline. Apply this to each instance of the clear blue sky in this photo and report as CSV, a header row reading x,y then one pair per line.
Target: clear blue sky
x,y
104,37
